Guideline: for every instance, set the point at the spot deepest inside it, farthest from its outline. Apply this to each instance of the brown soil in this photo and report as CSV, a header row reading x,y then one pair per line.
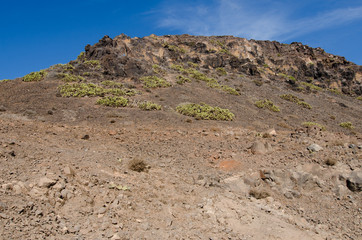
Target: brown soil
x,y
68,167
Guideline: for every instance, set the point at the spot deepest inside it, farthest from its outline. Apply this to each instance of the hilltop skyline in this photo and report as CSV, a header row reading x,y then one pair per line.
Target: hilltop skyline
x,y
38,34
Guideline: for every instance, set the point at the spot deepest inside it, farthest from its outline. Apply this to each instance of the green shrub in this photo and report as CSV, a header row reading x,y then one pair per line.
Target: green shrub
x,y
113,101
312,86
335,91
35,76
4,80
221,71
305,105
154,82
230,90
205,112
174,48
148,106
178,68
311,124
267,104
81,90
81,57
295,99
181,79
224,51
112,84
359,98
347,125
92,63
258,82
120,92
192,65
67,77
158,70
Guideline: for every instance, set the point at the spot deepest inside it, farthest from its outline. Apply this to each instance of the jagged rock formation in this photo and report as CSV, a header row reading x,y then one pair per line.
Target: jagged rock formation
x,y
133,57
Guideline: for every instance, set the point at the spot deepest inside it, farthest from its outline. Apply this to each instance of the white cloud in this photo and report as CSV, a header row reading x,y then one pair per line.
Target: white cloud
x,y
266,19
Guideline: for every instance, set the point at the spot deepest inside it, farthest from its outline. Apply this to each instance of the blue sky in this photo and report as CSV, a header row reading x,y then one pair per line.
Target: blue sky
x,y
37,34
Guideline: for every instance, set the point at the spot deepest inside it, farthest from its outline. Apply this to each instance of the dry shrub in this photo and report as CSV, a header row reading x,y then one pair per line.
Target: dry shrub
x,y
137,165
259,193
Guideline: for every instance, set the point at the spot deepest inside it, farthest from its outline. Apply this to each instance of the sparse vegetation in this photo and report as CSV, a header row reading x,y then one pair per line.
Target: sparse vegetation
x,y
68,77
113,101
268,104
347,125
331,161
289,77
295,99
221,71
81,90
63,67
112,84
359,98
158,70
258,82
181,80
258,194
335,91
193,65
312,86
4,80
35,76
311,124
92,63
148,106
205,112
154,82
137,165
174,48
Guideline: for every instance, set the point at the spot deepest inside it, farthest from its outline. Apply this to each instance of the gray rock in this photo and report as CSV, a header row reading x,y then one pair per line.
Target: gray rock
x,y
354,181
261,148
2,108
102,210
351,145
46,182
314,147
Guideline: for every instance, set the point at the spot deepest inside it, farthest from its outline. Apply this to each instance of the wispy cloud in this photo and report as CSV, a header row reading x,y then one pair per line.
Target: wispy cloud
x,y
274,20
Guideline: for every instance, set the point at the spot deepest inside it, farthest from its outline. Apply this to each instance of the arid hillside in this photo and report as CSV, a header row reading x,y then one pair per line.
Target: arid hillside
x,y
183,137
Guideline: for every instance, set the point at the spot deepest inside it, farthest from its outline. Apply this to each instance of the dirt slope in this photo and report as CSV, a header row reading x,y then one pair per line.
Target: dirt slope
x,y
68,162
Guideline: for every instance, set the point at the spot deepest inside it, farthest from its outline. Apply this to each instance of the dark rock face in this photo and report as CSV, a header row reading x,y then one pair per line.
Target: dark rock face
x,y
133,57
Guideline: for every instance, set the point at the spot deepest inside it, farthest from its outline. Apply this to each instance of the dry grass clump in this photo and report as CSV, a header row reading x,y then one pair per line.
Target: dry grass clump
x,y
259,193
331,161
137,165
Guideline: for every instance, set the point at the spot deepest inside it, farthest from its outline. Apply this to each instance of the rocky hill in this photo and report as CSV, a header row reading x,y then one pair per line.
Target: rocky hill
x,y
183,137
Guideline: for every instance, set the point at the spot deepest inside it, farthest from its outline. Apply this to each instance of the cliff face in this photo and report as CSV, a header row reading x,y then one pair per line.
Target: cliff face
x,y
293,63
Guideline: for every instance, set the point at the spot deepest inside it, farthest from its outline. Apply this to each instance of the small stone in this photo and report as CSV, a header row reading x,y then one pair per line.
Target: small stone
x,y
46,182
260,148
85,137
2,108
351,145
69,171
272,132
314,148
116,237
38,213
102,210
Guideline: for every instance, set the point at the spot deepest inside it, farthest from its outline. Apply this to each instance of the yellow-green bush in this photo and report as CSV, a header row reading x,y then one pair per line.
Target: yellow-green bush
x,y
35,76
266,103
113,101
311,124
181,79
295,99
347,125
148,106
154,82
81,90
205,112
67,77
221,71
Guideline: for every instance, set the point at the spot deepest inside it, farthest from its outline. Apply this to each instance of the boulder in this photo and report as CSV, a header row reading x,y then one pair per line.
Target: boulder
x,y
314,148
354,181
45,182
261,148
